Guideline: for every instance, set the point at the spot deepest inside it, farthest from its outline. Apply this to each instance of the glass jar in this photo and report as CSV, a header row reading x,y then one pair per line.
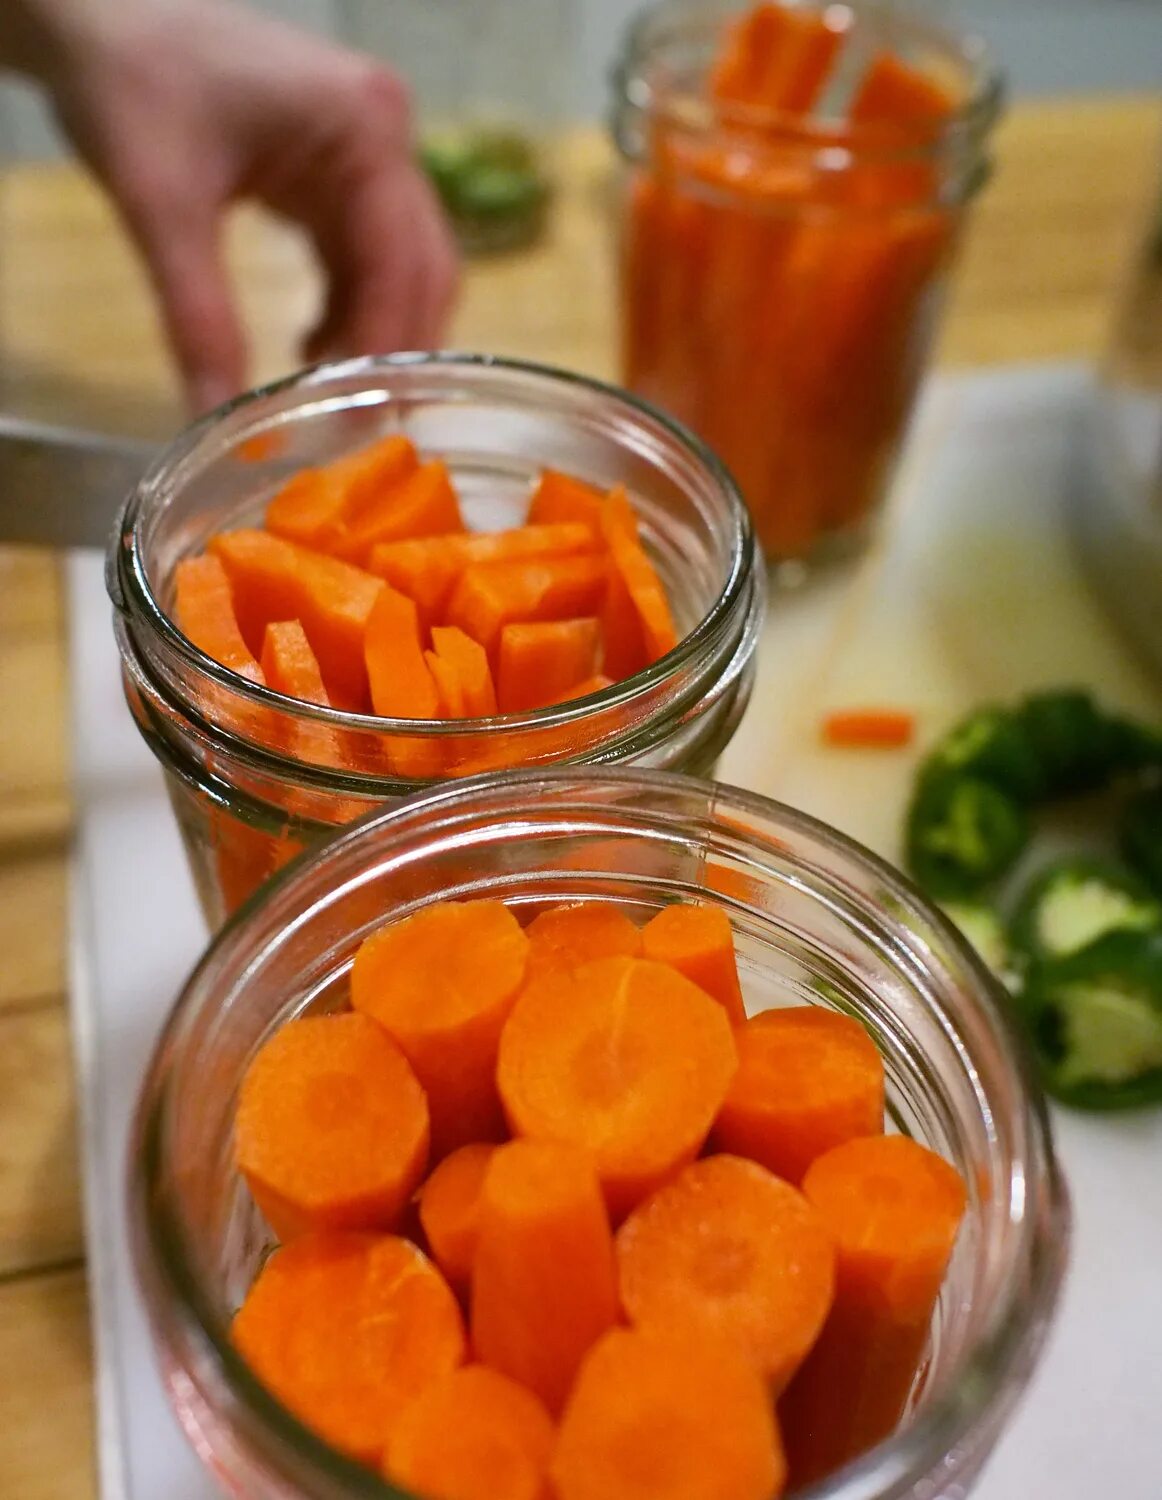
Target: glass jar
x,y
782,274
254,776
817,921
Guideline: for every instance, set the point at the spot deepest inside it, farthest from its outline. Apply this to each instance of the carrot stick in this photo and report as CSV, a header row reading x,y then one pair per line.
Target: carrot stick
x,y
402,685
560,498
345,1330
423,503
536,663
449,688
566,936
473,1435
450,1211
595,684
290,666
868,728
808,1079
728,1251
658,1417
698,941
893,1208
894,93
204,611
245,857
543,1282
442,983
331,1130
623,1058
637,573
492,595
313,506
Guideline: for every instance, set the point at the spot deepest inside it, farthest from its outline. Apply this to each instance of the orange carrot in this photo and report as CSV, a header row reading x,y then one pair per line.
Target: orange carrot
x,y
566,936
470,662
331,1130
543,1281
560,498
698,941
868,728
345,1330
449,688
778,59
492,595
474,1435
450,1211
893,1208
657,1417
623,1058
595,684
637,573
536,663
313,506
442,982
290,666
808,1079
729,1251
893,92
401,682
245,857
422,503
204,612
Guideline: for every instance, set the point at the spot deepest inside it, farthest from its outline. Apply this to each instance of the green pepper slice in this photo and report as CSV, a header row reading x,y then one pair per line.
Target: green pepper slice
x,y
1140,836
992,745
962,833
1076,901
1076,745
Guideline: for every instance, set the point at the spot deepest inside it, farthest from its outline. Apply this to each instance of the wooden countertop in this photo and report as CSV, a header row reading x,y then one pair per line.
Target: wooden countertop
x,y
1038,280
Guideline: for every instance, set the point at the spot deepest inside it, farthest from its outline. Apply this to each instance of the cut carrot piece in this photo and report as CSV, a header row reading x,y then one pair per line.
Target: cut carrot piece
x,y
623,638
290,666
490,596
245,857
637,574
346,1330
894,93
729,1251
313,506
657,1417
274,579
332,1128
204,612
698,941
623,1058
893,1208
808,1079
543,1281
561,498
442,982
470,662
401,682
595,684
449,689
778,59
450,1211
474,1435
568,936
423,503
539,662
869,728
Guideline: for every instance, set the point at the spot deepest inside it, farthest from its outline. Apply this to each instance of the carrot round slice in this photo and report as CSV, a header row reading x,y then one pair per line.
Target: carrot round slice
x,y
442,983
449,1205
543,1282
656,1417
474,1435
332,1127
893,1208
346,1330
698,941
808,1079
623,1058
578,933
730,1251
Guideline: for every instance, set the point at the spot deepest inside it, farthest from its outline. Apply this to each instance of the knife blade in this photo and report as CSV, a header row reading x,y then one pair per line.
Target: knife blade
x,y
63,487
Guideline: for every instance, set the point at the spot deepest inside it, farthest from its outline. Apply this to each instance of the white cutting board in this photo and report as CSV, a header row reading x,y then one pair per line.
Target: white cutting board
x,y
974,593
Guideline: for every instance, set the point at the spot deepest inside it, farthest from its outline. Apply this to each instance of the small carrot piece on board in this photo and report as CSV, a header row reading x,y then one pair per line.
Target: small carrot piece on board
x,y
422,503
657,1417
561,498
345,1330
313,506
204,611
449,1204
492,595
566,936
623,1058
869,728
331,1130
893,1209
538,662
808,1079
442,983
698,941
729,1251
470,662
637,573
544,1287
473,1435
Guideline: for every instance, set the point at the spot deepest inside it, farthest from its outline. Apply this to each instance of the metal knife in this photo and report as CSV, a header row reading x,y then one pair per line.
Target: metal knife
x,y
61,487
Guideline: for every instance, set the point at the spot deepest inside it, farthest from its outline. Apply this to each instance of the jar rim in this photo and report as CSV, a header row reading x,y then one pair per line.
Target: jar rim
x,y
993,1367
132,593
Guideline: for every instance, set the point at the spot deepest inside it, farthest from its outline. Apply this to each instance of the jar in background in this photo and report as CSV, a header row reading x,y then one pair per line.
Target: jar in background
x,y
816,920
254,776
782,274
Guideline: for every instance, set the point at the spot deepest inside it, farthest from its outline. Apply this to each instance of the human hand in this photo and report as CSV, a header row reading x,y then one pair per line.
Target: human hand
x,y
182,107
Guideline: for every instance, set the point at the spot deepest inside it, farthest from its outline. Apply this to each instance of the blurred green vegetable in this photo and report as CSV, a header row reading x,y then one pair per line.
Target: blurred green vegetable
x,y
991,745
1076,744
962,833
1140,836
490,183
985,933
1074,903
